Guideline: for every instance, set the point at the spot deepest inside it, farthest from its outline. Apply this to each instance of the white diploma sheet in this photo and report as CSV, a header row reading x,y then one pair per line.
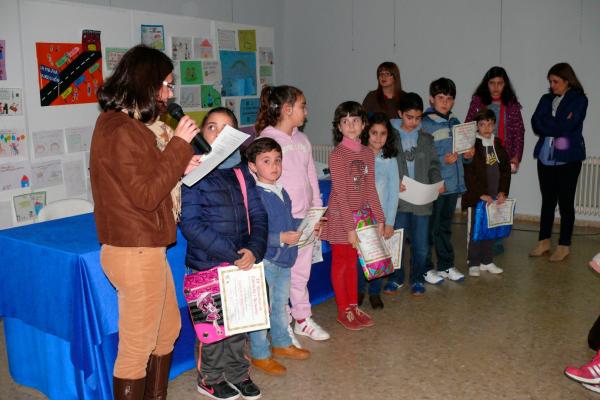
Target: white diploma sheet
x,y
394,245
226,143
371,244
307,226
500,214
419,193
244,299
463,137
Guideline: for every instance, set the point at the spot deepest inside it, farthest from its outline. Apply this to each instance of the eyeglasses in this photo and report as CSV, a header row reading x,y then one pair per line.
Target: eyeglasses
x,y
170,85
385,74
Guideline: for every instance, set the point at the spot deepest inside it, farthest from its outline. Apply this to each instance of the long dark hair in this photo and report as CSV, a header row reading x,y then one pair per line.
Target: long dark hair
x,y
565,72
346,109
393,69
483,91
272,99
135,84
389,149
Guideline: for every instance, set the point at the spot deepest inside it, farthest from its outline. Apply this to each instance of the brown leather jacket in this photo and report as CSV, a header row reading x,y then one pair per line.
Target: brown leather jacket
x,y
132,180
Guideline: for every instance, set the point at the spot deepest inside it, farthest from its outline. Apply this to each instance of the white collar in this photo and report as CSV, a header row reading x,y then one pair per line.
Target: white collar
x,y
276,188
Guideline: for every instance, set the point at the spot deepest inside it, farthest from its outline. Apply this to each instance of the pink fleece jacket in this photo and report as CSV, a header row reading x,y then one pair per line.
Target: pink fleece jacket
x,y
299,176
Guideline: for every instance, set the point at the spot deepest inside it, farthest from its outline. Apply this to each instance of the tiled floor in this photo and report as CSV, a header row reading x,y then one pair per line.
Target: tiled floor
x,y
493,337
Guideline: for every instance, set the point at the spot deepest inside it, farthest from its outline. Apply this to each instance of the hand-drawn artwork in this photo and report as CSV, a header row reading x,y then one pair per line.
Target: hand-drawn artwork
x,y
15,175
74,177
226,39
11,102
48,143
265,55
181,48
210,97
69,73
232,104
203,48
189,97
266,75
78,138
13,143
2,60
113,56
247,39
248,111
190,72
5,215
46,174
211,72
153,36
239,73
29,205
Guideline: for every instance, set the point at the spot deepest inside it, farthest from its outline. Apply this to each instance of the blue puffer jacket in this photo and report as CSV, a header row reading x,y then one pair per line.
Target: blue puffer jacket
x,y
441,130
213,219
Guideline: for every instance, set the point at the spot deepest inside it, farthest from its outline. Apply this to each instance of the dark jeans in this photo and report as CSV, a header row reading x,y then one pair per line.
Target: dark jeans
x,y
374,285
481,251
416,227
558,184
440,232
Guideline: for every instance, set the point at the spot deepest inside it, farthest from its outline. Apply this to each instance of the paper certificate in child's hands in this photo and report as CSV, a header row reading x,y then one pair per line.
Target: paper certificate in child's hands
x,y
371,245
244,299
394,245
500,214
419,193
463,137
307,226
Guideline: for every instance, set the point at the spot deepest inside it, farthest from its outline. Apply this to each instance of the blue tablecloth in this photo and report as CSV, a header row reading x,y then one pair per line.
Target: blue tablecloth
x,y
60,311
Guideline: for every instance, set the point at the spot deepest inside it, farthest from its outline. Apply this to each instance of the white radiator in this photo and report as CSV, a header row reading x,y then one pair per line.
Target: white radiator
x,y
321,152
587,196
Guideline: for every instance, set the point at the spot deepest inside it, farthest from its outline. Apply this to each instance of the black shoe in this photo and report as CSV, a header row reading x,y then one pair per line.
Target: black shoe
x,y
218,391
376,301
248,389
360,298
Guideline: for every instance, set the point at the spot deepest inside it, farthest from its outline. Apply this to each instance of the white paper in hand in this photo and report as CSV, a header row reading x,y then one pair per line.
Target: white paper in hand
x,y
418,193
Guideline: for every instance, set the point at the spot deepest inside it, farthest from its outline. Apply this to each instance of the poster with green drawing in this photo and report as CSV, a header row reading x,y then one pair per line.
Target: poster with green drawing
x,y
210,97
191,72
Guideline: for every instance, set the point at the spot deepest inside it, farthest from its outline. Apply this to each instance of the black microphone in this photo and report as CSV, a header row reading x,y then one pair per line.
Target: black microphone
x,y
176,112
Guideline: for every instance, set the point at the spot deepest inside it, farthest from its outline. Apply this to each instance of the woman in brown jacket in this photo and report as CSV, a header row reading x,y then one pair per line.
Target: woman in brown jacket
x,y
136,162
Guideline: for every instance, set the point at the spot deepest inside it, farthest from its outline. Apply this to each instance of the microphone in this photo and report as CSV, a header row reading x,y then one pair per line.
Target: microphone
x,y
177,113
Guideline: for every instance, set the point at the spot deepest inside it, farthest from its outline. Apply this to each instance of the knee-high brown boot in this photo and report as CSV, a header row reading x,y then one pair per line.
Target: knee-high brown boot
x,y
128,389
157,377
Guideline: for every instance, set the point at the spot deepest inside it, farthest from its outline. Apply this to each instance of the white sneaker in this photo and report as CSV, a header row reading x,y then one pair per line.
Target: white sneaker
x,y
452,273
433,278
295,341
593,388
474,271
491,268
311,329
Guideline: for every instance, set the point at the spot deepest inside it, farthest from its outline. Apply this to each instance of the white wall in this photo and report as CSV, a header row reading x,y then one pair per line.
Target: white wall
x,y
333,48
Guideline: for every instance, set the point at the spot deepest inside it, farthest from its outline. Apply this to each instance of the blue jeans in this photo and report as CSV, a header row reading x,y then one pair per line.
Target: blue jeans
x,y
278,281
416,227
374,285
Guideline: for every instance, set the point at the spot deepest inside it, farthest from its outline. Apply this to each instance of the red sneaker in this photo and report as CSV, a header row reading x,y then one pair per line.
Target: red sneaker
x,y
587,373
362,317
349,321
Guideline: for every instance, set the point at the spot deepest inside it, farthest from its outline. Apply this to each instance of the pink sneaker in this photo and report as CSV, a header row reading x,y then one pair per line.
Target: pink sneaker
x,y
362,317
588,373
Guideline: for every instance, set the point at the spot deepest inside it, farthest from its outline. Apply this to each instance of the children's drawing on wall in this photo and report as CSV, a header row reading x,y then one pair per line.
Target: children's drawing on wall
x,y
190,72
6,220
153,36
46,174
48,143
11,102
78,138
203,48
226,39
29,205
247,38
211,72
265,55
113,56
69,73
74,177
2,60
210,97
15,175
13,143
189,97
238,70
181,48
266,75
248,111
232,104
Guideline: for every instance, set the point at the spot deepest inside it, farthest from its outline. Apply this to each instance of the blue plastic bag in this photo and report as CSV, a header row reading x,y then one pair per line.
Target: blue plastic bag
x,y
480,226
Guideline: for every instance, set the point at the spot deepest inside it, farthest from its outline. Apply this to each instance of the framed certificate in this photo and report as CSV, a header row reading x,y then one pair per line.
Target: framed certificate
x,y
500,214
463,137
244,299
307,226
371,245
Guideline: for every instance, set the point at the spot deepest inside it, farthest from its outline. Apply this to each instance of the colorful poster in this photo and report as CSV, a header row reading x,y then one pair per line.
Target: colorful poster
x,y
48,143
113,56
69,73
203,48
266,75
2,60
181,48
211,72
247,39
46,174
15,175
197,116
238,70
191,72
226,39
210,97
265,55
29,205
153,36
11,102
248,111
13,143
189,97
